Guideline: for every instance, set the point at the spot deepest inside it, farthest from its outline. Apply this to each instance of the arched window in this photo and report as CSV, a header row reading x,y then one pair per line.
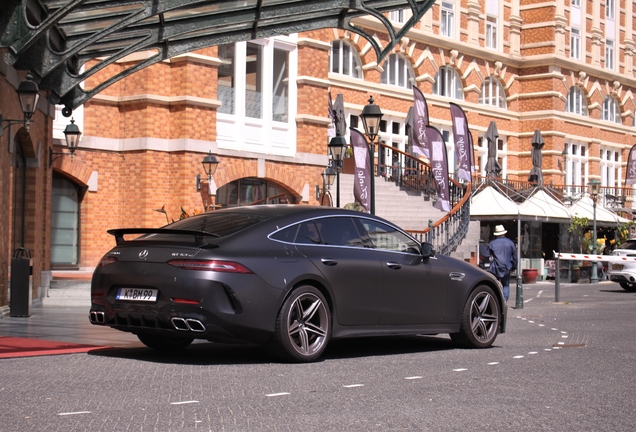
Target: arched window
x,y
344,59
577,103
448,83
493,93
397,72
611,110
252,191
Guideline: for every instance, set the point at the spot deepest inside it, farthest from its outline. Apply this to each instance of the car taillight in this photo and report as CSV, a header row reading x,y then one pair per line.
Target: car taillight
x,y
210,265
107,260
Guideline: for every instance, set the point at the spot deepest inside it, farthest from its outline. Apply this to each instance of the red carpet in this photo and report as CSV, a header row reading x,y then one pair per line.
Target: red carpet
x,y
25,347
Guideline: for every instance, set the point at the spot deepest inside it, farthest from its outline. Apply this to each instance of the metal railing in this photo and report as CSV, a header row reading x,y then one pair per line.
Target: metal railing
x,y
610,196
407,171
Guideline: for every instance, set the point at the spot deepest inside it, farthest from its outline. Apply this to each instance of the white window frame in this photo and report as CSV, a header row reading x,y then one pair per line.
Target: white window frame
x,y
397,72
447,24
576,167
491,31
347,56
575,43
399,16
576,102
611,110
448,84
609,54
262,135
493,93
610,10
610,161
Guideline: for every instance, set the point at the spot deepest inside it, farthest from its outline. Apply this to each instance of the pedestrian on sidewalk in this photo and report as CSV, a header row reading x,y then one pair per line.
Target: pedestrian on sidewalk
x,y
504,258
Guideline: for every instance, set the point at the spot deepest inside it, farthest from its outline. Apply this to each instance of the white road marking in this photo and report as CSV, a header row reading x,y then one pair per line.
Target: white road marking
x,y
517,357
533,352
460,370
413,377
184,402
493,363
353,385
277,394
541,325
73,413
531,322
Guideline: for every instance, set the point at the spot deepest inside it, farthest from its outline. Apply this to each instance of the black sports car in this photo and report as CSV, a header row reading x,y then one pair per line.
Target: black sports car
x,y
290,277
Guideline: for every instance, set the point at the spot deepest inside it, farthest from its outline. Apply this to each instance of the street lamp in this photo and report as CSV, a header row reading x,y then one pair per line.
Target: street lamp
x,y
371,116
72,135
328,176
29,94
210,163
593,189
337,149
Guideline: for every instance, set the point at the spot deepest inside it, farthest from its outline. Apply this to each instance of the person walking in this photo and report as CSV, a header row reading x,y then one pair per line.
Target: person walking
x,y
504,258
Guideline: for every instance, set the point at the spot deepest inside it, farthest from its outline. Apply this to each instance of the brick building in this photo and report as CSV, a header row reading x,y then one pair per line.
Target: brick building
x,y
564,68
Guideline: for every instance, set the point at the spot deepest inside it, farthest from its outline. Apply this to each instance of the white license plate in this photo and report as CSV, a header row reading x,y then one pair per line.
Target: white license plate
x,y
137,294
617,266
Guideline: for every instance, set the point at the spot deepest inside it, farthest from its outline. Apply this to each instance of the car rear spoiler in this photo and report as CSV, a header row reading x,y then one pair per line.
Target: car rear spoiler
x,y
199,236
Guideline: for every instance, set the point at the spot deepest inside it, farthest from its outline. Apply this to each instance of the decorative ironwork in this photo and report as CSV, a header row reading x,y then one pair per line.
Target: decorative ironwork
x,y
65,42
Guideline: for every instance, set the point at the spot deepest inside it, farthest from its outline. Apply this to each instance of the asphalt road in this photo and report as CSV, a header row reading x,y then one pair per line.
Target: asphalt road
x,y
560,366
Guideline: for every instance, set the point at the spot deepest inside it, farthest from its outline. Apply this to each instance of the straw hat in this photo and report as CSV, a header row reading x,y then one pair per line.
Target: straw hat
x,y
499,230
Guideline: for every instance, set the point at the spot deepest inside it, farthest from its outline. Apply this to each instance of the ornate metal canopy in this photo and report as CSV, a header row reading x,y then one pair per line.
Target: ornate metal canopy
x,y
53,39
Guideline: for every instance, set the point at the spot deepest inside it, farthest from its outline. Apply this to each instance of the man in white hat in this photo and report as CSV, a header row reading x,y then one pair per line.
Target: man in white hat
x,y
504,254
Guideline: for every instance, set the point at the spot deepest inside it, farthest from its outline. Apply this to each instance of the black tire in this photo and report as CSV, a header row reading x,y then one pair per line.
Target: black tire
x,y
164,343
303,326
479,325
627,286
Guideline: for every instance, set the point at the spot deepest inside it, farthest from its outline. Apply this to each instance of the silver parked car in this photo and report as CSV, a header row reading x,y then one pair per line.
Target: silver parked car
x,y
624,273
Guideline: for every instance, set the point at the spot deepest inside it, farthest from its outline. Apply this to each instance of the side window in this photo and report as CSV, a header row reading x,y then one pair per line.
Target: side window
x,y
338,231
385,237
308,233
287,235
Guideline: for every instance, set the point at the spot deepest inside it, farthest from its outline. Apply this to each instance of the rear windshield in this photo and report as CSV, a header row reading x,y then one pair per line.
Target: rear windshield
x,y
629,244
222,224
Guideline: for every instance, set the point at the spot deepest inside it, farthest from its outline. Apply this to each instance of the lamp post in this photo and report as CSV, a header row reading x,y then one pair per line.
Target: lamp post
x,y
210,163
29,94
328,176
593,189
72,135
371,116
337,148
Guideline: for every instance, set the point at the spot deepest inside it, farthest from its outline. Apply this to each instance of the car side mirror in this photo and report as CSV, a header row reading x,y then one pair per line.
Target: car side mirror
x,y
427,250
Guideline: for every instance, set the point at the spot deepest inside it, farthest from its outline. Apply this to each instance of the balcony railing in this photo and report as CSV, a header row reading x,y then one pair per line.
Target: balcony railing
x,y
614,197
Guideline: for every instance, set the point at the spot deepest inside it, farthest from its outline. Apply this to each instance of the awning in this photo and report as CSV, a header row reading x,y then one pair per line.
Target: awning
x,y
541,206
584,208
490,203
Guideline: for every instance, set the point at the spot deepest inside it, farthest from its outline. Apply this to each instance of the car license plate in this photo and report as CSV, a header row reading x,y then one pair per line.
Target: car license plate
x,y
617,266
137,294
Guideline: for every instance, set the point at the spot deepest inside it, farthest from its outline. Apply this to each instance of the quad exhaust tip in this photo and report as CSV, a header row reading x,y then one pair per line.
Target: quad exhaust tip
x,y
187,324
97,317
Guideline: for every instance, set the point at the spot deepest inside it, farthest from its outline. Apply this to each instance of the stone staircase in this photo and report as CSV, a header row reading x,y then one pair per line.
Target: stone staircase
x,y
409,210
69,288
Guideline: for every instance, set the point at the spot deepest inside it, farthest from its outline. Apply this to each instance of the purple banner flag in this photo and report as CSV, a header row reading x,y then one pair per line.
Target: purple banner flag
x,y
439,166
463,143
420,121
362,177
630,174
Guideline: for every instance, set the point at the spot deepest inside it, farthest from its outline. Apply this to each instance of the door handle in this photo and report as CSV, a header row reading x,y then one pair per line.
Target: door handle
x,y
329,261
394,265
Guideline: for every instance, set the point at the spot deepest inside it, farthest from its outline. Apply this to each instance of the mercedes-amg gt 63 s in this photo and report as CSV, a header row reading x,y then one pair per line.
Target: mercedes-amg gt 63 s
x,y
289,277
